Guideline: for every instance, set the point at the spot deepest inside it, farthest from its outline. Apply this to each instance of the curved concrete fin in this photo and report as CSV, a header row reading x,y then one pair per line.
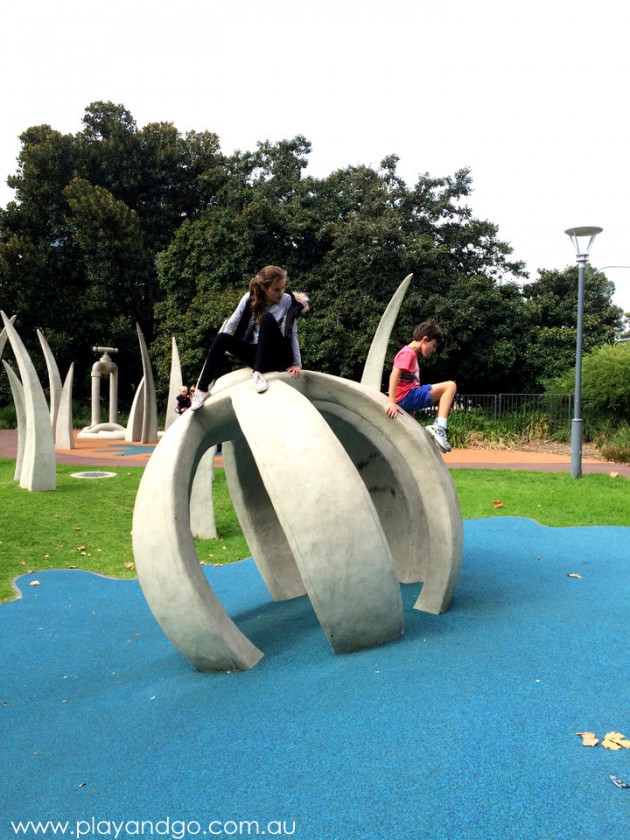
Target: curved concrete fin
x,y
3,335
202,522
39,466
348,572
174,387
405,474
135,420
149,414
18,398
64,432
373,370
264,535
172,580
54,379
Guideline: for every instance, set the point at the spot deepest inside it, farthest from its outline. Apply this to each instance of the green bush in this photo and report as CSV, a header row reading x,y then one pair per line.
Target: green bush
x,y
605,384
616,446
469,428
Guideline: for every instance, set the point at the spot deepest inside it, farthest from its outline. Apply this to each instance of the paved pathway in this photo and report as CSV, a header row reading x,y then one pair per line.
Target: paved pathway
x,y
514,459
117,453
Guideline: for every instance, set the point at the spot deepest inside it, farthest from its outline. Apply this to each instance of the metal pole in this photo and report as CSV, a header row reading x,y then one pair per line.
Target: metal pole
x,y
576,424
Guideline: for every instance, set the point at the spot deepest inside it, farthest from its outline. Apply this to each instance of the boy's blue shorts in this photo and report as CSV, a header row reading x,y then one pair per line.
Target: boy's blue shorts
x,y
416,399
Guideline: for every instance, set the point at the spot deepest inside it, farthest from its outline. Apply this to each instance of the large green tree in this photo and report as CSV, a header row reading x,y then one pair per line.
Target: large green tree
x,y
551,305
117,225
347,240
78,245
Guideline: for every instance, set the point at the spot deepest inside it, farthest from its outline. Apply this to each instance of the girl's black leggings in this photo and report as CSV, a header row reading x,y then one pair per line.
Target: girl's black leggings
x,y
268,354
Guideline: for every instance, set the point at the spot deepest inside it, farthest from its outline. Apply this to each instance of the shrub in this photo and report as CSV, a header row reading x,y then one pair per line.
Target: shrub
x,y
616,446
605,384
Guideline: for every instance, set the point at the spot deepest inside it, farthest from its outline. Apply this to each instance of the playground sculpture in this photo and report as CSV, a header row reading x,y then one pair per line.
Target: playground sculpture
x,y
42,428
335,499
112,429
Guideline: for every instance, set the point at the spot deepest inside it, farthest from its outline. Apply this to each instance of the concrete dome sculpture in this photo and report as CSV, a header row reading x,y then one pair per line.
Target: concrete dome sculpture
x,y
335,499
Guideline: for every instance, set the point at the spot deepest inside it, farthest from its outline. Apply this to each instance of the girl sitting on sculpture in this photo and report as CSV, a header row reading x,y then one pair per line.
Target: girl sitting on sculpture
x,y
262,332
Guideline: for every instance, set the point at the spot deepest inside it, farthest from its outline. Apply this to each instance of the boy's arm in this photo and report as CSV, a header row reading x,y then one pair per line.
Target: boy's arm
x,y
392,409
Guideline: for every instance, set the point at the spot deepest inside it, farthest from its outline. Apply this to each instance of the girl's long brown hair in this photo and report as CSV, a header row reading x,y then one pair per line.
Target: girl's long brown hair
x,y
265,278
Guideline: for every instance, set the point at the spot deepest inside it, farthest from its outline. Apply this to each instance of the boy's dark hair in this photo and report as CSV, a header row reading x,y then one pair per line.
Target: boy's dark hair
x,y
429,329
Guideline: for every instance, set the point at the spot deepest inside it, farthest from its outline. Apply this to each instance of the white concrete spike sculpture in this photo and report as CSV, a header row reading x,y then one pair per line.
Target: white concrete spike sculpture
x,y
341,503
18,400
202,523
39,464
142,423
60,398
3,335
54,379
174,386
373,370
136,414
64,430
149,416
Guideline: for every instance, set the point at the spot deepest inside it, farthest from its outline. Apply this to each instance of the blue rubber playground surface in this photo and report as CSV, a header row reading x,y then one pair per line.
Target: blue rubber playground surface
x,y
464,728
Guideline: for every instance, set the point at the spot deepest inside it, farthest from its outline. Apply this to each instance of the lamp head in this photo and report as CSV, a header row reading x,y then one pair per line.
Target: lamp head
x,y
582,238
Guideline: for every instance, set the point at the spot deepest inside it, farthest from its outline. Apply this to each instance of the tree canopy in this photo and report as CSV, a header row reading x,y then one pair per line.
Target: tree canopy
x,y
117,225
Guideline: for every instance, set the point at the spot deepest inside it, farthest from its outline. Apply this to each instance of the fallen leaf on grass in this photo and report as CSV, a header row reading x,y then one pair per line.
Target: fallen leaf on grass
x,y
588,739
575,575
128,565
80,548
614,474
497,504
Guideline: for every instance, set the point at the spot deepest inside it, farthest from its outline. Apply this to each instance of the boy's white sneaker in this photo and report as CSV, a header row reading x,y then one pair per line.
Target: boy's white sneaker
x,y
199,398
439,436
260,383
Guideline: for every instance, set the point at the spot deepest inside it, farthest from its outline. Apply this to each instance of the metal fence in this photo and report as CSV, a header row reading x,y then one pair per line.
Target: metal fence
x,y
557,409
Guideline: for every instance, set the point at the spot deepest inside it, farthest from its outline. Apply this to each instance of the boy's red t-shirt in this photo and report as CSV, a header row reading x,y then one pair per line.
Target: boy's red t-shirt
x,y
406,361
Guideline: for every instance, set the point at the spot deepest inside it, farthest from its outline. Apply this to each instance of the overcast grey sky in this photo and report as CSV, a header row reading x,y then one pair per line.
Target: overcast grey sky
x,y
531,96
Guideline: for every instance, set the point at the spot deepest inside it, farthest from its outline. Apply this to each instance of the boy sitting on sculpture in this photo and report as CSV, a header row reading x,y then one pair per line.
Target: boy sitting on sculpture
x,y
405,390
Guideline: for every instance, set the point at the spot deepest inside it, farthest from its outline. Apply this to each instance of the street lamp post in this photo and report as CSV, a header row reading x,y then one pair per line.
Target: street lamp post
x,y
582,238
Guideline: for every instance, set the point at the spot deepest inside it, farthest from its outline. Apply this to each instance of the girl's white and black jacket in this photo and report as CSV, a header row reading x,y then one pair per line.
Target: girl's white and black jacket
x,y
241,323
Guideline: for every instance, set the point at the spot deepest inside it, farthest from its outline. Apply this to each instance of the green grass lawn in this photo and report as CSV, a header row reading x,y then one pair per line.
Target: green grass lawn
x,y
86,523
553,499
